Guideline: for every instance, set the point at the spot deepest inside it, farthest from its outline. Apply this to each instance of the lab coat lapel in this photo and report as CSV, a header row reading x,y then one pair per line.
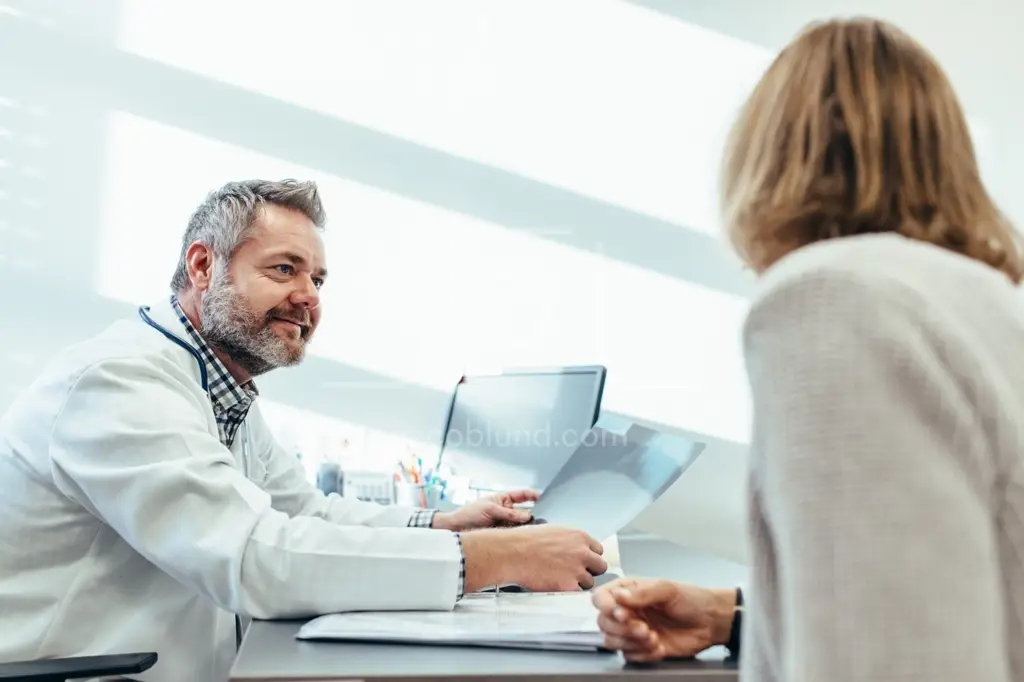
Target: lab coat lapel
x,y
163,314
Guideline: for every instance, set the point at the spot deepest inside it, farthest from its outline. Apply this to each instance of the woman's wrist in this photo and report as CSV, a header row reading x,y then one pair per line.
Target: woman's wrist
x,y
735,632
723,613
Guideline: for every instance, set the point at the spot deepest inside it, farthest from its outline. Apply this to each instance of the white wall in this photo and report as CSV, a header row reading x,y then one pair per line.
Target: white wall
x,y
510,182
978,44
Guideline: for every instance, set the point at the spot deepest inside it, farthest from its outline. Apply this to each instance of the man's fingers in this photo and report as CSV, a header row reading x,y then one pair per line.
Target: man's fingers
x,y
518,496
596,547
595,564
509,515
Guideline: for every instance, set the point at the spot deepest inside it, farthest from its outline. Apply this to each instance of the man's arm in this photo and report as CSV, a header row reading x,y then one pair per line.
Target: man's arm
x,y
292,493
874,479
131,445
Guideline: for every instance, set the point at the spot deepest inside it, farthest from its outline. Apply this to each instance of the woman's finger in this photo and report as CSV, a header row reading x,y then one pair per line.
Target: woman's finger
x,y
631,647
641,595
635,631
632,628
656,653
606,602
603,600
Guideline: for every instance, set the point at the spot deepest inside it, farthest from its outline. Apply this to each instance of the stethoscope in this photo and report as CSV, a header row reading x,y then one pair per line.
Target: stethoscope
x,y
203,378
171,336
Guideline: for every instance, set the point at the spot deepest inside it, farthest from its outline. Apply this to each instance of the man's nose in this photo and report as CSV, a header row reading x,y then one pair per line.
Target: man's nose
x,y
306,294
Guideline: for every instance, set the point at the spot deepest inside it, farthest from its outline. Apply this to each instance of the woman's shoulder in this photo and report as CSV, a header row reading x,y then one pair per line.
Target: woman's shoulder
x,y
886,267
892,300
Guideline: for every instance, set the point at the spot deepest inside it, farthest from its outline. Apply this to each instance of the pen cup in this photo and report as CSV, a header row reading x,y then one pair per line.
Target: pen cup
x,y
418,495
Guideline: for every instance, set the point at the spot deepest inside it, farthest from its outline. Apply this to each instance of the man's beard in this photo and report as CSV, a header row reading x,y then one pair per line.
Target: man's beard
x,y
230,325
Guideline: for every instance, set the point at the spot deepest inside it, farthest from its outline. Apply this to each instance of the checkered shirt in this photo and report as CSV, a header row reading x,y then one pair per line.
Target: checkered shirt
x,y
231,402
462,568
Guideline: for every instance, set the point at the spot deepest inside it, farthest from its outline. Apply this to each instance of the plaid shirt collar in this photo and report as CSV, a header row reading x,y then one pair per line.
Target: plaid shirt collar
x,y
230,400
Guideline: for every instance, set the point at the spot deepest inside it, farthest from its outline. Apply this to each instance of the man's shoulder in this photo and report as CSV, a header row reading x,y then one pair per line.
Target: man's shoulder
x,y
122,356
124,345
125,341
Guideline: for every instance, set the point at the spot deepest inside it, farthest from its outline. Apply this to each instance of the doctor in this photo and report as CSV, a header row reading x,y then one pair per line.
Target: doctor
x,y
144,502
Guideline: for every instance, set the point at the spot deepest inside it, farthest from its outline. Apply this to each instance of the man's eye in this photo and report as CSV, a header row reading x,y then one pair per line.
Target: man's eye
x,y
317,282
285,269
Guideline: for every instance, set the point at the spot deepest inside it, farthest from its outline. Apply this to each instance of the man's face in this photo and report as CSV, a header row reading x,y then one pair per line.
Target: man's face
x,y
263,307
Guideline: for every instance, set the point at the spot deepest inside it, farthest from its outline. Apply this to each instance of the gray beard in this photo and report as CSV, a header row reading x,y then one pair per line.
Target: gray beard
x,y
229,325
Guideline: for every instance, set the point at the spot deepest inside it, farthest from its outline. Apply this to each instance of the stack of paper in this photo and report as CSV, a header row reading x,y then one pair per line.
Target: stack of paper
x,y
556,621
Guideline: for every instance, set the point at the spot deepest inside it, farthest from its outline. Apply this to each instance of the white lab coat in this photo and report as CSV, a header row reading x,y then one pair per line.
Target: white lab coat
x,y
125,524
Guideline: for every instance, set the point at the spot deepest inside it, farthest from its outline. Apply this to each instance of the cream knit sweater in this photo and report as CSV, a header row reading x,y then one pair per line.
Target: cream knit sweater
x,y
886,481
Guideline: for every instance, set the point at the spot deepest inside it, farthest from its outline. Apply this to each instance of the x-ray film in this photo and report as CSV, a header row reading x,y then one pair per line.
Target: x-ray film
x,y
616,472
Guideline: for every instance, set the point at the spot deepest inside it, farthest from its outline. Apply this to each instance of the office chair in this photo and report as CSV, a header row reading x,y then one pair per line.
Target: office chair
x,y
76,668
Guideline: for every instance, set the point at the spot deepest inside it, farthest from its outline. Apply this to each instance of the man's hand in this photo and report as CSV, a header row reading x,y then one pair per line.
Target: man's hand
x,y
541,558
650,620
487,512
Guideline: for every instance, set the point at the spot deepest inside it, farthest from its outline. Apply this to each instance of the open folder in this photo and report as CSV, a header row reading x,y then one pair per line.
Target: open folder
x,y
565,621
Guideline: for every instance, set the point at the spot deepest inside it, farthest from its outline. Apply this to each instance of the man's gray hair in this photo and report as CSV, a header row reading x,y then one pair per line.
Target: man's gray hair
x,y
224,219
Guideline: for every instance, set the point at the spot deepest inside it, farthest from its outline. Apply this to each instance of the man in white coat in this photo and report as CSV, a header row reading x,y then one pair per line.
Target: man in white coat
x,y
145,506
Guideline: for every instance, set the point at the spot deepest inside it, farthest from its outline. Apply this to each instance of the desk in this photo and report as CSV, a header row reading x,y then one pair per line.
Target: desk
x,y
270,653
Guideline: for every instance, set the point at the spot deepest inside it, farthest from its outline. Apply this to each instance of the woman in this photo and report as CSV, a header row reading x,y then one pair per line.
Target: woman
x,y
886,484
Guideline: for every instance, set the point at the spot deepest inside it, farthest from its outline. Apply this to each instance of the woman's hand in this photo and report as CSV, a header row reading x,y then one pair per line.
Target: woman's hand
x,y
650,620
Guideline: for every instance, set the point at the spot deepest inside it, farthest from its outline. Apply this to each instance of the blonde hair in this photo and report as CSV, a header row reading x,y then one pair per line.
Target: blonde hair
x,y
856,129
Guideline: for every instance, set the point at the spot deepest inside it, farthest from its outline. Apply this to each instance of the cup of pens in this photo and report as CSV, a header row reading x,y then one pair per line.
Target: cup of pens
x,y
415,487
421,495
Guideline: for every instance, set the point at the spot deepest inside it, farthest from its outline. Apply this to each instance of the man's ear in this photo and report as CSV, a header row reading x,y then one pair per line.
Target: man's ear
x,y
199,265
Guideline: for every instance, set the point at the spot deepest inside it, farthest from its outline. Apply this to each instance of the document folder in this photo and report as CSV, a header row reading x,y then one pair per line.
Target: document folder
x,y
565,621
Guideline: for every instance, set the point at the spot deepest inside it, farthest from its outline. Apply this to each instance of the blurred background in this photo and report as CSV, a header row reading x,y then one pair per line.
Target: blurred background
x,y
509,182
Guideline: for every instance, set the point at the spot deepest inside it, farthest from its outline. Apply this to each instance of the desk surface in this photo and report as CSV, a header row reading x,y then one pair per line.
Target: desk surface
x,y
270,652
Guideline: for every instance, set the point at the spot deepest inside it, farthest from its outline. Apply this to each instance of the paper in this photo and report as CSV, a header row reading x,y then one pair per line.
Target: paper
x,y
616,473
533,620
